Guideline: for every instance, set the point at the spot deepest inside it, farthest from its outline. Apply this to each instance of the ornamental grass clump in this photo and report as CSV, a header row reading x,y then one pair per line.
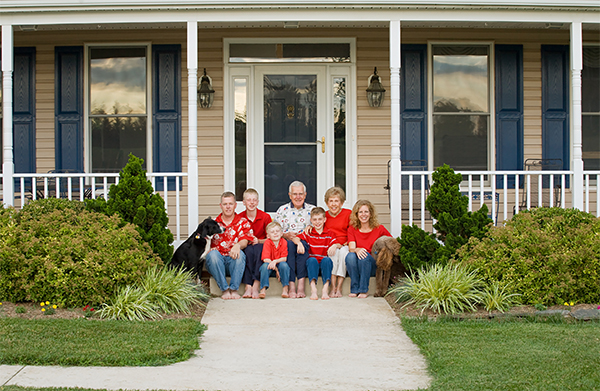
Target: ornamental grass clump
x,y
498,297
161,291
450,289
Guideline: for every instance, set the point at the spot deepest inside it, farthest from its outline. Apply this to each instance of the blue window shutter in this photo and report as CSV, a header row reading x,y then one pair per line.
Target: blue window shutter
x,y
555,103
24,110
68,109
509,110
413,103
166,113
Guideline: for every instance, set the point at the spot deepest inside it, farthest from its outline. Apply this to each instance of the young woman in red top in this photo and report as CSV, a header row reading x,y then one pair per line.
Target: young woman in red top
x,y
364,230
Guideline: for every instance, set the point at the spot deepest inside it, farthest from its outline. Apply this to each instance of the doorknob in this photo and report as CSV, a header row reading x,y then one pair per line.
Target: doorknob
x,y
322,141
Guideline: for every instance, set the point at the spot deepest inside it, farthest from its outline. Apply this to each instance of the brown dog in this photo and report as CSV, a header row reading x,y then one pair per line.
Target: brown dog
x,y
386,253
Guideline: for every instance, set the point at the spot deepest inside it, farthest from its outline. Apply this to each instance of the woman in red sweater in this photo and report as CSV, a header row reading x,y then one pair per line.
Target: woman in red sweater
x,y
364,230
338,220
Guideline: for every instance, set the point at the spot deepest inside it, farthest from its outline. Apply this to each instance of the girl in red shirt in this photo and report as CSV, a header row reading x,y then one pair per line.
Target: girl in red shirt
x,y
364,230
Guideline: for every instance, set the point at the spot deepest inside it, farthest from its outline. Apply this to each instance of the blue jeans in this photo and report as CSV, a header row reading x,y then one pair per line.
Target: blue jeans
x,y
360,271
265,273
253,262
219,266
313,266
297,262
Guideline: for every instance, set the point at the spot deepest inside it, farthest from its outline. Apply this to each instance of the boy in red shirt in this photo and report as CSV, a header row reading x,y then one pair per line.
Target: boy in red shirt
x,y
274,257
319,241
258,220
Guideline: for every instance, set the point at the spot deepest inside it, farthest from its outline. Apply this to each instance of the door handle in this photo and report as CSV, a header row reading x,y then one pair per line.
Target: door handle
x,y
322,141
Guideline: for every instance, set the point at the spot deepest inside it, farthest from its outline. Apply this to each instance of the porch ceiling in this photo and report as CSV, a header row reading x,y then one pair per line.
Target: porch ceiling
x,y
308,24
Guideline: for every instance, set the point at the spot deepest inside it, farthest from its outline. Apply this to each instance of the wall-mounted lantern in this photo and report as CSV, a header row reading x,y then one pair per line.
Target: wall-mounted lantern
x,y
375,91
206,94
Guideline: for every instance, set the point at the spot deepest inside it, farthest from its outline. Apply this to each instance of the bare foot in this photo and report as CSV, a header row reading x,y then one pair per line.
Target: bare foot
x,y
324,296
226,295
262,294
338,294
285,293
313,291
301,293
235,295
248,292
363,295
292,290
293,295
352,295
255,294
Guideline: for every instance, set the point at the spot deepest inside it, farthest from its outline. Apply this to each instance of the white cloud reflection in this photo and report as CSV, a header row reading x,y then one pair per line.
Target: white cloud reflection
x,y
118,85
460,82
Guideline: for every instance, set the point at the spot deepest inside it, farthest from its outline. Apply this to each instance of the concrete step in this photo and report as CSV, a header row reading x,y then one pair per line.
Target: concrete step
x,y
275,287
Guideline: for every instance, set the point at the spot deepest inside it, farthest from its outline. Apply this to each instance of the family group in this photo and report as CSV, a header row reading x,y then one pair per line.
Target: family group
x,y
303,241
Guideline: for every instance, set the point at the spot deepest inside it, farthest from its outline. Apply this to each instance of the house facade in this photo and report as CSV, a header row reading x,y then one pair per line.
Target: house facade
x,y
508,94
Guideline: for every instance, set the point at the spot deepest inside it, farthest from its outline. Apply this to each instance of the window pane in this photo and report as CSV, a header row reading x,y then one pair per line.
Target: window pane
x,y
118,81
339,127
591,141
460,79
289,52
590,75
240,103
114,138
461,141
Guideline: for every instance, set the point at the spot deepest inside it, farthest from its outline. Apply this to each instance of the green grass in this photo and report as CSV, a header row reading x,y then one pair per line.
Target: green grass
x,y
515,355
97,343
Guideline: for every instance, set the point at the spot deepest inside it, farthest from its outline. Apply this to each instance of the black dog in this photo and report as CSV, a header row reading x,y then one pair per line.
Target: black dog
x,y
190,254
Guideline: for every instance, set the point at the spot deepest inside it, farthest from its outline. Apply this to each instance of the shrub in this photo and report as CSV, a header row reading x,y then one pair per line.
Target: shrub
x,y
135,201
448,288
454,225
163,290
497,296
55,250
549,255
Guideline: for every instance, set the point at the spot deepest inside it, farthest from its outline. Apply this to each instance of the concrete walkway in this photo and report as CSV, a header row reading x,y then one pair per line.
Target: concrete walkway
x,y
272,344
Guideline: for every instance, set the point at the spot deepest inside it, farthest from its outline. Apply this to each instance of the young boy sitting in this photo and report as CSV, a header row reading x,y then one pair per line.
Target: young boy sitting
x,y
319,240
258,221
274,256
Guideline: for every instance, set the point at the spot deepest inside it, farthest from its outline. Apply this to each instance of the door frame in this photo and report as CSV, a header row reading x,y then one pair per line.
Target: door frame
x,y
255,120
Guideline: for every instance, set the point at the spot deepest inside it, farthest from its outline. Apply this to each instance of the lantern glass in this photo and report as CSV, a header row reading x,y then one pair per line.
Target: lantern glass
x,y
375,91
206,94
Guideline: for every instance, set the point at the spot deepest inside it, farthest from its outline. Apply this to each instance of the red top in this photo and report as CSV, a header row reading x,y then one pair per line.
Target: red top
x,y
259,225
366,240
318,242
239,229
271,252
339,224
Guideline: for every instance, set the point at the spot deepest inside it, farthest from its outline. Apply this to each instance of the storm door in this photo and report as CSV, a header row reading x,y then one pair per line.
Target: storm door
x,y
294,143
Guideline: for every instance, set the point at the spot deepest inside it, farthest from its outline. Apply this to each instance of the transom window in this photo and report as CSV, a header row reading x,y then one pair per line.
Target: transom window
x,y
117,106
461,107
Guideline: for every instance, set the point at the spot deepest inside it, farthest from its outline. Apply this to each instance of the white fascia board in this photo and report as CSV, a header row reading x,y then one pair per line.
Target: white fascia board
x,y
189,4
306,15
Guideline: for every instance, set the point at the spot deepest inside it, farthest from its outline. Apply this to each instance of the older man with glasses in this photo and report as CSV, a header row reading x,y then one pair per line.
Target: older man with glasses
x,y
294,217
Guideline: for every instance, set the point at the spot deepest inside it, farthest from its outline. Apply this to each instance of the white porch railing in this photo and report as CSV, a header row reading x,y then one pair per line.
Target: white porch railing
x,y
81,186
525,190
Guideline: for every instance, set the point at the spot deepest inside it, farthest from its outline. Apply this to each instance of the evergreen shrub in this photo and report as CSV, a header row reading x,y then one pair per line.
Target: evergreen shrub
x,y
549,255
134,199
55,250
454,225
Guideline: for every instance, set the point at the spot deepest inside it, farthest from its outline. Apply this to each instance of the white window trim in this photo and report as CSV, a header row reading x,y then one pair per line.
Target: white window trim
x,y
491,163
87,137
247,70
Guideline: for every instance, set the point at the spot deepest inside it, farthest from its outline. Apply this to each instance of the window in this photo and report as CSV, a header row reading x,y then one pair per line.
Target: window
x,y
590,101
339,128
289,52
117,106
240,98
461,107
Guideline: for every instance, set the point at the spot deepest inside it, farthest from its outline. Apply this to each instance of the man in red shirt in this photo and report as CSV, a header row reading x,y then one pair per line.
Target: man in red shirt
x,y
259,221
226,255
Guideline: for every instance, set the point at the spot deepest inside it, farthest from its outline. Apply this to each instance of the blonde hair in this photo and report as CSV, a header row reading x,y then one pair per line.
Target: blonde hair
x,y
373,220
335,191
250,192
273,224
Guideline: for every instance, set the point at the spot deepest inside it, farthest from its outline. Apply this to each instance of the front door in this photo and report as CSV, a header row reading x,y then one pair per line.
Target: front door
x,y
294,135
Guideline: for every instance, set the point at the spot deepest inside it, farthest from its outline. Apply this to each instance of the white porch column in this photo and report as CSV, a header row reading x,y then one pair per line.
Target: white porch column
x,y
192,169
576,67
8,166
395,166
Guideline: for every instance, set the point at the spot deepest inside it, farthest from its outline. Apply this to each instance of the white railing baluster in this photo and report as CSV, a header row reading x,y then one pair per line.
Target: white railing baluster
x,y
505,197
177,209
586,184
410,199
423,176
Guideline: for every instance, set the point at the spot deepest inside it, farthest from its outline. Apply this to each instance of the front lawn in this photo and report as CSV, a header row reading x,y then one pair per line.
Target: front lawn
x,y
518,354
84,342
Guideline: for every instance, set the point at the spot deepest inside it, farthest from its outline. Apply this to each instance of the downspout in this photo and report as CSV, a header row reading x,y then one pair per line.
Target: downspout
x,y
8,165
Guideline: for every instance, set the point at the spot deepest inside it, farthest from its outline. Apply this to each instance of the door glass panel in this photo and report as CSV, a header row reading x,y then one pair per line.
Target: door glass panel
x,y
339,127
290,131
240,104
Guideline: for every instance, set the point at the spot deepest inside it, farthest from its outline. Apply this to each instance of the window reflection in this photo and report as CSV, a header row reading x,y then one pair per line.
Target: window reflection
x,y
461,90
241,119
113,138
339,127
